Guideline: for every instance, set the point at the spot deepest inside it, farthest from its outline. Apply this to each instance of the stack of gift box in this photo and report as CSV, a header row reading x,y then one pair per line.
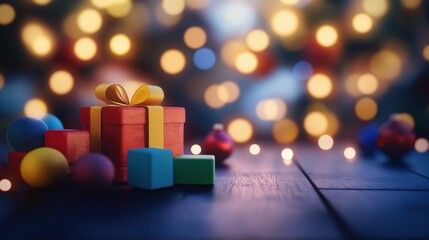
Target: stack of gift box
x,y
144,141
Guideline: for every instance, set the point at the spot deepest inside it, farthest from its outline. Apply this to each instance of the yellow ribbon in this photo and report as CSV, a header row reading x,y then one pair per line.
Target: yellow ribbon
x,y
148,96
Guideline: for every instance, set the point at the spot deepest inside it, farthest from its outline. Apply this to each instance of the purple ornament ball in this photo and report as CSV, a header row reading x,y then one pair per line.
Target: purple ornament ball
x,y
93,171
219,144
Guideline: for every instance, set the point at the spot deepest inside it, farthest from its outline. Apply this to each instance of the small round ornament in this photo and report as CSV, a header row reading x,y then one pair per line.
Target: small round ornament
x,y
367,140
26,134
44,168
52,122
219,144
396,139
93,171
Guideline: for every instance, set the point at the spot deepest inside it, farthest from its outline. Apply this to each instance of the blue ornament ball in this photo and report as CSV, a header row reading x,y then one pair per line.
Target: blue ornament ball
x,y
93,171
52,122
26,134
367,139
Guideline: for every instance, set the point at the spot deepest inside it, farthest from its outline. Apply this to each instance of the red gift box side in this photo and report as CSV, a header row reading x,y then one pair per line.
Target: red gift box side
x,y
72,143
14,164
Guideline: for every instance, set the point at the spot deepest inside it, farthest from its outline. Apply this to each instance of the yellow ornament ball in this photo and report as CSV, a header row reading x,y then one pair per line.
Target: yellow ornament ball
x,y
44,167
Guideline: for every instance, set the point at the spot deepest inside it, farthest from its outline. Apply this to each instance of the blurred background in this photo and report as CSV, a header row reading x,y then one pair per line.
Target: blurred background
x,y
281,71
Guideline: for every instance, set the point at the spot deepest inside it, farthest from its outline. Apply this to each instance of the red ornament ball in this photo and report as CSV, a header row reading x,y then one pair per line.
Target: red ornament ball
x,y
396,139
93,171
219,144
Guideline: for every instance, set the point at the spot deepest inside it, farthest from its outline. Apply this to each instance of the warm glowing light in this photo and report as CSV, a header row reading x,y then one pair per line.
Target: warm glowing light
x,y
246,62
271,109
120,44
426,52
290,2
376,8
411,4
38,39
362,23
173,7
195,37
257,40
61,82
5,185
89,20
285,131
173,61
213,98
7,14
85,48
326,142
197,4
42,45
254,149
232,91
316,123
231,50
101,3
351,85
1,81
195,149
35,108
240,130
326,36
366,109
405,118
421,145
367,84
284,23
42,2
386,64
319,86
350,153
287,155
119,8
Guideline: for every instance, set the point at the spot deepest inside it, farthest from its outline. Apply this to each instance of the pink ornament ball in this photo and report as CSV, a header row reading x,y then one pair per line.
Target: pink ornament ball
x,y
93,171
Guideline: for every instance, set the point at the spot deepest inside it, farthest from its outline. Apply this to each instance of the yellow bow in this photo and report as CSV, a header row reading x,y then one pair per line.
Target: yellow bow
x,y
146,95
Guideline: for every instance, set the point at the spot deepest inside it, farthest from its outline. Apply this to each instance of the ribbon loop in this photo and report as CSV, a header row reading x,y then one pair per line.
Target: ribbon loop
x,y
146,95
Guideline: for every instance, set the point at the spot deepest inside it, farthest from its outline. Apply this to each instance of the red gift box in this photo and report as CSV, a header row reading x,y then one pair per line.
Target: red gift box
x,y
125,128
72,143
14,164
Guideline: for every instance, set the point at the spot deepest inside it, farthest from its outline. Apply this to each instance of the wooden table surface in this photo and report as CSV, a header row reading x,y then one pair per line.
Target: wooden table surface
x,y
319,196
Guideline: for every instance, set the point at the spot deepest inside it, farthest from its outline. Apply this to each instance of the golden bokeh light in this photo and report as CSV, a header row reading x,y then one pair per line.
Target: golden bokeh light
x,y
285,23
35,108
257,40
173,61
195,149
120,44
61,82
85,48
421,145
5,185
349,153
37,39
7,14
319,86
232,89
285,131
426,52
316,123
405,118
376,8
271,109
367,84
42,45
195,37
42,2
197,4
89,20
386,65
326,36
1,81
325,142
173,7
240,130
362,23
231,50
119,8
222,93
290,2
350,85
411,4
212,97
246,62
287,156
254,149
366,109
102,4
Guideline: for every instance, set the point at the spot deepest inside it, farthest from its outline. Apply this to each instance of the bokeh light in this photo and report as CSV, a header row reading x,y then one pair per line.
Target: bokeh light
x,y
5,185
405,118
42,2
254,149
367,84
35,107
232,91
38,39
376,8
315,123
119,8
195,37
326,36
411,4
319,86
271,109
386,65
285,131
351,86
1,81
257,40
426,52
7,14
85,48
120,44
173,61
421,145
195,149
204,58
349,153
240,130
287,156
246,62
213,97
197,4
61,82
285,22
173,7
362,23
102,4
89,20
366,109
326,142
